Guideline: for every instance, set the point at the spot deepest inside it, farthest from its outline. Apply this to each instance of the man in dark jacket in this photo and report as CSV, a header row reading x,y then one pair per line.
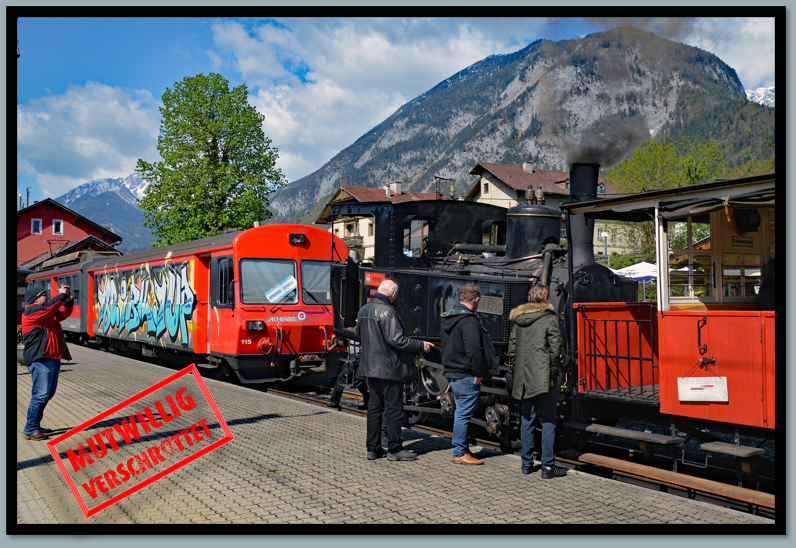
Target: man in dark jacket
x,y
467,355
44,348
534,348
386,363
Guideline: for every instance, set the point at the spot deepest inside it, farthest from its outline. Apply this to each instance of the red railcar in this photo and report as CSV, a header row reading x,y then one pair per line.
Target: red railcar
x,y
255,303
702,355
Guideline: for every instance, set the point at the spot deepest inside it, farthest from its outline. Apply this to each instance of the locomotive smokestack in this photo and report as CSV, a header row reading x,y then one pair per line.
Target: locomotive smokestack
x,y
582,188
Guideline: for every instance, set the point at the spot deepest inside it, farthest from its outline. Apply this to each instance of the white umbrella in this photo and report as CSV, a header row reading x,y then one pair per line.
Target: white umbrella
x,y
642,272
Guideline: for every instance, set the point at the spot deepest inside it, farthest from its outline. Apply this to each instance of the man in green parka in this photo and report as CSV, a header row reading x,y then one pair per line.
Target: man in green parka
x,y
534,348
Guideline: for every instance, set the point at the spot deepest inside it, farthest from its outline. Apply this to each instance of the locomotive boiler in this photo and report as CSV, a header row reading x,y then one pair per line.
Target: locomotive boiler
x,y
432,248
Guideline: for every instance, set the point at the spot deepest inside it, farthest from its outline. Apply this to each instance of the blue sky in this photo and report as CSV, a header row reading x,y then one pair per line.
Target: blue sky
x,y
88,89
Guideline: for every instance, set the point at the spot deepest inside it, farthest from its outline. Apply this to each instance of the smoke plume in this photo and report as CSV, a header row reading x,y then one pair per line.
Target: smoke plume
x,y
608,141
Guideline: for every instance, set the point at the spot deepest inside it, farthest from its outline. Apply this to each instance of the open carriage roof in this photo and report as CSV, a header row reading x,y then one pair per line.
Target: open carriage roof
x,y
682,201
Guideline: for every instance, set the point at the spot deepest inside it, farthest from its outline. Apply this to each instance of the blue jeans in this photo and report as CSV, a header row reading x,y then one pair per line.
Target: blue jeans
x,y
44,374
544,404
465,394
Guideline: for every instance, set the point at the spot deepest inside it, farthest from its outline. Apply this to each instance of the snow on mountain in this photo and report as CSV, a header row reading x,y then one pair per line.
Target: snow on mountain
x,y
128,188
136,184
763,96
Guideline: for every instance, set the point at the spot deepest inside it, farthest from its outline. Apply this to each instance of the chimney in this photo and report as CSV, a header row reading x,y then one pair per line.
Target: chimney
x,y
527,167
396,188
582,188
387,188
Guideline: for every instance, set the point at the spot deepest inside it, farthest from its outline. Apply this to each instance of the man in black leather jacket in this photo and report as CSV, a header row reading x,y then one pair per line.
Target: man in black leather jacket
x,y
386,362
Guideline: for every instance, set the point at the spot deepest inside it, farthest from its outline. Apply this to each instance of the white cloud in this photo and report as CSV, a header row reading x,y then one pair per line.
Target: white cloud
x,y
322,83
745,44
89,132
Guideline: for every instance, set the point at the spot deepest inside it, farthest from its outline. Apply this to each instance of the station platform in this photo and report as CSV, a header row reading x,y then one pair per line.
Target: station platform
x,y
294,463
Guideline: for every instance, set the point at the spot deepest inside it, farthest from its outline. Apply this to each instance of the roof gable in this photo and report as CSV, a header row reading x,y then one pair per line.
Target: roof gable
x,y
365,194
49,202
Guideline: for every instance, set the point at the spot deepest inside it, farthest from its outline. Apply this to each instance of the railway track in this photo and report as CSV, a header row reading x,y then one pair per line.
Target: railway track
x,y
650,477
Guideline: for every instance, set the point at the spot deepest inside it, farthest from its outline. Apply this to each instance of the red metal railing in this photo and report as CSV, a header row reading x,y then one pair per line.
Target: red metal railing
x,y
618,350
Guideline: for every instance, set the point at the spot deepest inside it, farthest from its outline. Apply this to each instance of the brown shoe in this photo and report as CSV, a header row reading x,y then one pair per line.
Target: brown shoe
x,y
467,459
36,436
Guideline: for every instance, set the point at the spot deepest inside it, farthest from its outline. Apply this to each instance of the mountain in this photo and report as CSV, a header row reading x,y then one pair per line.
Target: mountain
x,y
761,96
594,98
132,184
112,203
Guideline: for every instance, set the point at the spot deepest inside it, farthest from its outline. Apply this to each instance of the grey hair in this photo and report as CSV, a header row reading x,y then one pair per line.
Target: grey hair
x,y
388,285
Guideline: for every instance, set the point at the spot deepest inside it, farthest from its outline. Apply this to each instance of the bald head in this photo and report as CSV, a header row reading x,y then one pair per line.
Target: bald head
x,y
389,288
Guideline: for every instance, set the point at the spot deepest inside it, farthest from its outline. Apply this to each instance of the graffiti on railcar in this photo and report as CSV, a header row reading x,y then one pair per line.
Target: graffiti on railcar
x,y
147,302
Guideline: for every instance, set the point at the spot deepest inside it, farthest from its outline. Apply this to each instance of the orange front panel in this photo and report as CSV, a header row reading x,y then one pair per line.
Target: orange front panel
x,y
616,345
734,339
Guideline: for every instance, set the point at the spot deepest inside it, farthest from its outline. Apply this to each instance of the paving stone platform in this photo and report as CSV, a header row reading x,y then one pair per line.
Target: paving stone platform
x,y
292,462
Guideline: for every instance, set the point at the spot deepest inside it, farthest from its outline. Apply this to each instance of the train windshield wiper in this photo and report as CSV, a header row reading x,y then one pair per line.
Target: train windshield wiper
x,y
308,292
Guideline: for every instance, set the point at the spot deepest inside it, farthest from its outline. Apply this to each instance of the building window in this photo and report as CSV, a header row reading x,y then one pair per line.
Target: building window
x,y
370,229
35,226
337,232
58,227
350,230
486,188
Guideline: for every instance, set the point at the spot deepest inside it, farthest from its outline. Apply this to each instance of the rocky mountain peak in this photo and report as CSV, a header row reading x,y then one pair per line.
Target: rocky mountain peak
x,y
761,96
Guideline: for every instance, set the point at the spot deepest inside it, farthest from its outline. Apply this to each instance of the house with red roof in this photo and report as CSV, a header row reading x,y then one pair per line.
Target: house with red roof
x,y
508,186
358,232
47,229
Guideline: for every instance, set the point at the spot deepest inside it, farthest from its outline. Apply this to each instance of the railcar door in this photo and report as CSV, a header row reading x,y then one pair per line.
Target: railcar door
x,y
220,327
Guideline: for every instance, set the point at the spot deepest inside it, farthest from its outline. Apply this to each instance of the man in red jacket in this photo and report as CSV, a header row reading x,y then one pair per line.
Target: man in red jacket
x,y
44,348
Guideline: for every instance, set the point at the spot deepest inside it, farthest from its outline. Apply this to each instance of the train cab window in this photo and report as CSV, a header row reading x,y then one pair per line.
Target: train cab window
x,y
268,281
315,287
416,238
226,274
691,263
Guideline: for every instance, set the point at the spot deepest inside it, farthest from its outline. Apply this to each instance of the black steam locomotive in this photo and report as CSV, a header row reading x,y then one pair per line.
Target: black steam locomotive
x,y
434,247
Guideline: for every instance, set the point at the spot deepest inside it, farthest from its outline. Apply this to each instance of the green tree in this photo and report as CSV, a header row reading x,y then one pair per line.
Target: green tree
x,y
619,260
755,167
218,166
659,164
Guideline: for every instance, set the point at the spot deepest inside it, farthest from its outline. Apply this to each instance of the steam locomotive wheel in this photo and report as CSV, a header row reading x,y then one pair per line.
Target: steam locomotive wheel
x,y
433,381
416,417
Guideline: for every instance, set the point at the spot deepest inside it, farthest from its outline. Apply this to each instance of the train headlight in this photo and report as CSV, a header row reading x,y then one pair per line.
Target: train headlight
x,y
297,238
257,325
